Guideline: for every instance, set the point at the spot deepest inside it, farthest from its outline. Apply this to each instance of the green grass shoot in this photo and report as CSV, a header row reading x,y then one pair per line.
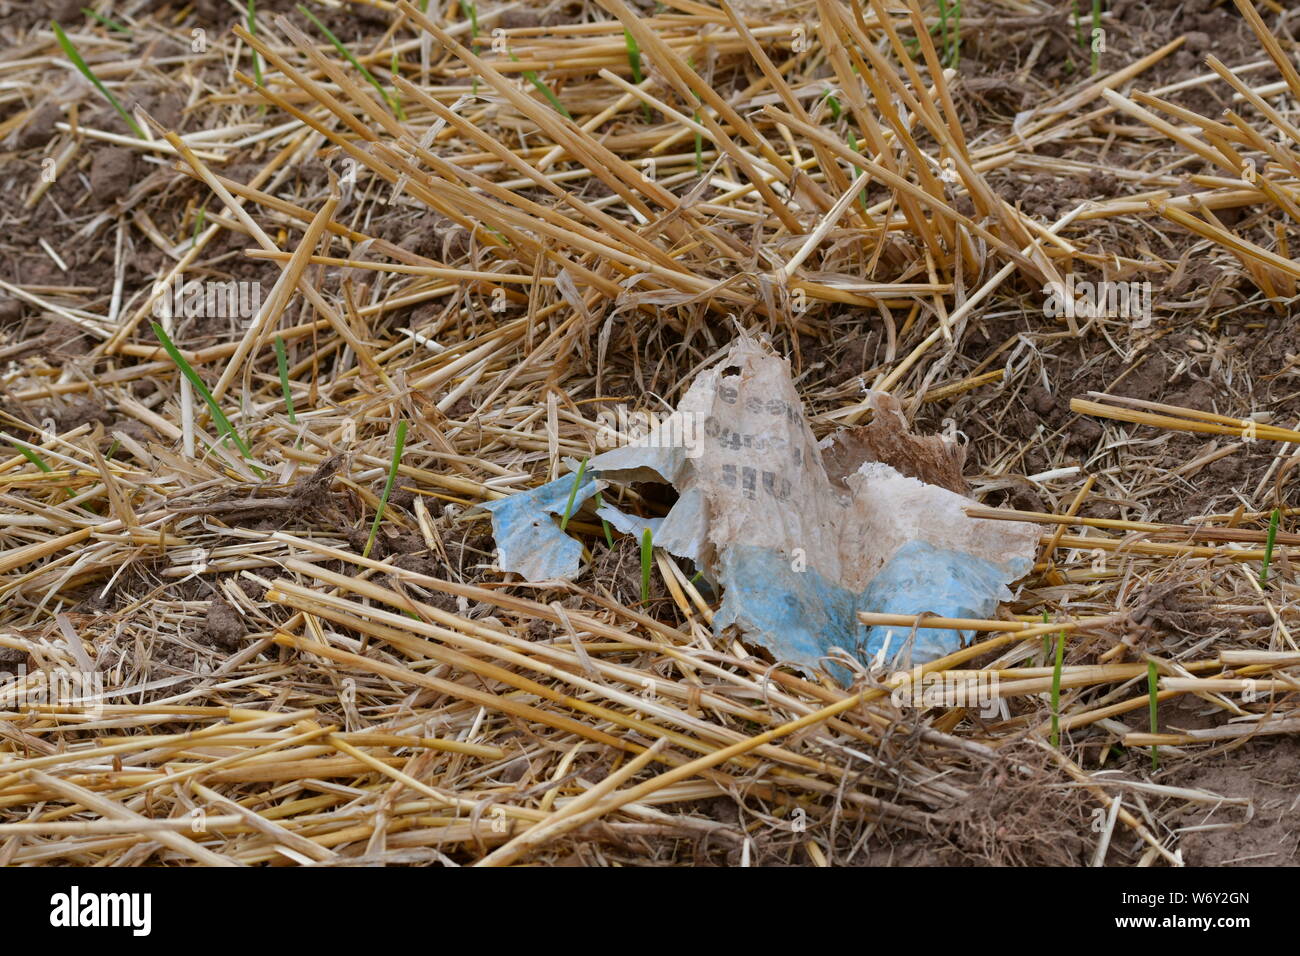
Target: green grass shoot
x,y
106,21
252,31
609,535
634,63
198,224
950,31
468,9
388,486
34,458
1056,690
954,36
633,56
1078,26
647,549
573,494
86,71
393,104
282,365
1154,706
1274,520
218,416
836,110
532,77
913,46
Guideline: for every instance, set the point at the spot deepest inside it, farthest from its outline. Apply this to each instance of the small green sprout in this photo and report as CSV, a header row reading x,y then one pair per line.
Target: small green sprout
x,y
392,102
388,486
89,74
35,458
1274,520
218,416
573,494
836,110
633,56
470,10
467,9
199,221
282,365
950,37
106,21
647,549
252,31
609,535
634,63
532,77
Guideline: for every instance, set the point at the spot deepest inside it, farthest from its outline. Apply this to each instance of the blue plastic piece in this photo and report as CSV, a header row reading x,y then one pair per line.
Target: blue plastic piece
x,y
799,615
529,541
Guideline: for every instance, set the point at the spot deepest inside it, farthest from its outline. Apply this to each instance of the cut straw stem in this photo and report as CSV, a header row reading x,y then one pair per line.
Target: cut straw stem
x,y
1153,695
1242,428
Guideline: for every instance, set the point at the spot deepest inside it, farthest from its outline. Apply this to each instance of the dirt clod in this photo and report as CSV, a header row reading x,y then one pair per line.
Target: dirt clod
x,y
112,174
223,627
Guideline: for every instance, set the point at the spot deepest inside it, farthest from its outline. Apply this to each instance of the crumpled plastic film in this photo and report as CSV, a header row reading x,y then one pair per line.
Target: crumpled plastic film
x,y
797,548
529,541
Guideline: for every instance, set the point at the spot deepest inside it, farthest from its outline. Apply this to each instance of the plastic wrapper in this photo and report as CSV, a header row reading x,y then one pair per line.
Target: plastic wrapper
x,y
797,536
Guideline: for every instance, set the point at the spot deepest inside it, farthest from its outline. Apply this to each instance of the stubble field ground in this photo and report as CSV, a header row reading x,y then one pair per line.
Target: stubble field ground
x,y
459,232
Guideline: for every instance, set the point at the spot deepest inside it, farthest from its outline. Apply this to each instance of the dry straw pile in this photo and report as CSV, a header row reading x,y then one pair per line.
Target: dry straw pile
x,y
509,226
